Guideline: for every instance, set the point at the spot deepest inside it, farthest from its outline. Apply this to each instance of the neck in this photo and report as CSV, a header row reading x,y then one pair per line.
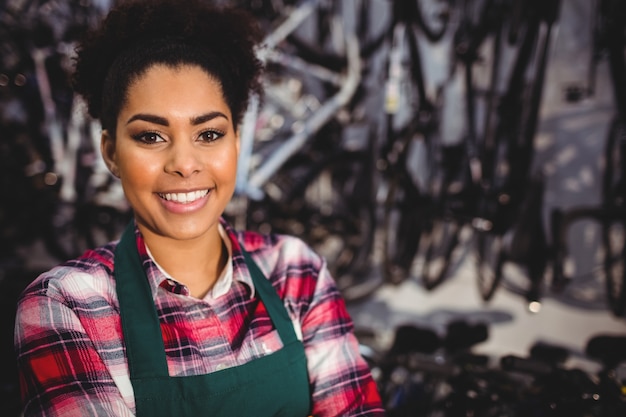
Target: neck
x,y
195,263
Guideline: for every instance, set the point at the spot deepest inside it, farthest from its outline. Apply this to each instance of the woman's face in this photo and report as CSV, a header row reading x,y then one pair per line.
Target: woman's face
x,y
175,152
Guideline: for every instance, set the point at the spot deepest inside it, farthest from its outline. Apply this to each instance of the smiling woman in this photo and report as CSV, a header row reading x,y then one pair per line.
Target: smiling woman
x,y
184,315
175,136
176,156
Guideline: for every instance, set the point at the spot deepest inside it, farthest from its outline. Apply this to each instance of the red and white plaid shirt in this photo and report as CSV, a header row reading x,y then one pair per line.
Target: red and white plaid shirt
x,y
70,348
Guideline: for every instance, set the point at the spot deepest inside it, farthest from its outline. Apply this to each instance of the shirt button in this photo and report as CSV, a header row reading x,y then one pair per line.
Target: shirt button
x,y
220,367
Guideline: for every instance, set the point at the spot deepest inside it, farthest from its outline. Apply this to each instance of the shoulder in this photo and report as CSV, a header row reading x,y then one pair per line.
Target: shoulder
x,y
82,277
281,252
298,273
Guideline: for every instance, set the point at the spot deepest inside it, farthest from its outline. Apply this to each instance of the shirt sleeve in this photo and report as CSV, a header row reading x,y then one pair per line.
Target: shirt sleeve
x,y
341,381
60,371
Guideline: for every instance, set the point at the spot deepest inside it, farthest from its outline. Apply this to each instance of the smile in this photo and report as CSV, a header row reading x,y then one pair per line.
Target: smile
x,y
184,198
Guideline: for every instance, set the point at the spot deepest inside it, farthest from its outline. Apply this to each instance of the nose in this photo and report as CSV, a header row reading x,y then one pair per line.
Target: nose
x,y
182,159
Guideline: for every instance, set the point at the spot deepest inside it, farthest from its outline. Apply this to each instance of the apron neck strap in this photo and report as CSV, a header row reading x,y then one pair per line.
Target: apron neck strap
x,y
140,324
274,305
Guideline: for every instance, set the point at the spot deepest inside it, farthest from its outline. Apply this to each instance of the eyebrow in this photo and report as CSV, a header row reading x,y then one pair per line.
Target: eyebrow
x,y
197,120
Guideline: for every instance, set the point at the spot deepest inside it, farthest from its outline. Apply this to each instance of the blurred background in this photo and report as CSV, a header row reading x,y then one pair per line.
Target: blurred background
x,y
457,162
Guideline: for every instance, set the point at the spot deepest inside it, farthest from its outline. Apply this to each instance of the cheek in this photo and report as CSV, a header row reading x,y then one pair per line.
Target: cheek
x,y
136,169
225,164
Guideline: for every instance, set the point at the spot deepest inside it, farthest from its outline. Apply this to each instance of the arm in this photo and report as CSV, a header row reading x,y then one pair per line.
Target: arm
x,y
340,378
61,373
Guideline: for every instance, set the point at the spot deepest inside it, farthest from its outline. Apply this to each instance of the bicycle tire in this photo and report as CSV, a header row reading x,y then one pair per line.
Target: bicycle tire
x,y
444,212
355,278
616,39
508,170
439,240
614,180
478,35
409,115
490,257
318,50
613,230
401,230
432,16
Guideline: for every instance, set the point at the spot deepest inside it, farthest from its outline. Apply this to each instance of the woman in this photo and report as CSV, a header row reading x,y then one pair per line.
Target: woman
x,y
184,315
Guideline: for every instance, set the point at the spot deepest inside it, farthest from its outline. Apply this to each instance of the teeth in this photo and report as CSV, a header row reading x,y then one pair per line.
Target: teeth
x,y
184,197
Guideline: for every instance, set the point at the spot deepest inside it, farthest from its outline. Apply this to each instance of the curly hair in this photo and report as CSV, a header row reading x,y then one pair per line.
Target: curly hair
x,y
138,34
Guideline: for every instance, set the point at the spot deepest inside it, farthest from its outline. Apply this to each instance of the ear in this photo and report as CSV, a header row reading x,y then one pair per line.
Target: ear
x,y
237,142
107,148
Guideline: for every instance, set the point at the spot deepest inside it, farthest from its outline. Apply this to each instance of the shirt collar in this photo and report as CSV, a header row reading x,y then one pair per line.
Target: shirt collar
x,y
160,278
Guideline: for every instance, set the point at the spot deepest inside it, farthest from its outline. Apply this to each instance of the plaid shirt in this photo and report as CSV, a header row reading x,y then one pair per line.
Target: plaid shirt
x,y
70,348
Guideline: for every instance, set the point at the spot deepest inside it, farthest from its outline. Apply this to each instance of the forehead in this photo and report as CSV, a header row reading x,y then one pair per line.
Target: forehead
x,y
182,86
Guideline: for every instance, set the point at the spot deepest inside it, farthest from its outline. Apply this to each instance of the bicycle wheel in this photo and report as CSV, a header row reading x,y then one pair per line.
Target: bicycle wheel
x,y
509,159
616,38
324,44
402,228
613,239
439,240
353,183
489,262
450,200
432,16
409,121
614,181
613,227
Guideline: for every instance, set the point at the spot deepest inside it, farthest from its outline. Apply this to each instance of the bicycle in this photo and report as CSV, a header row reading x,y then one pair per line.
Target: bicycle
x,y
501,118
477,23
608,42
307,145
408,198
426,373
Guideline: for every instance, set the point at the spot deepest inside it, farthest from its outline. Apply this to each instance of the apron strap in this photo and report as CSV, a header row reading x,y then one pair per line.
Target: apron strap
x,y
274,305
140,323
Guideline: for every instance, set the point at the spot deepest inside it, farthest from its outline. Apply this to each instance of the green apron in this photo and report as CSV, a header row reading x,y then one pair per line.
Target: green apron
x,y
273,385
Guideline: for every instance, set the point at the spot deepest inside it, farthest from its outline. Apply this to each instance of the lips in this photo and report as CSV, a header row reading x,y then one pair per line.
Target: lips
x,y
184,198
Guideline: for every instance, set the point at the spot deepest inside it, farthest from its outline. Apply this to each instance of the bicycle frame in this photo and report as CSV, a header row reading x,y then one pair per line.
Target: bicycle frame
x,y
250,180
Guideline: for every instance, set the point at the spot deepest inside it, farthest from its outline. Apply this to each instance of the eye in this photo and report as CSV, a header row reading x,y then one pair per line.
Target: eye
x,y
211,135
148,137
